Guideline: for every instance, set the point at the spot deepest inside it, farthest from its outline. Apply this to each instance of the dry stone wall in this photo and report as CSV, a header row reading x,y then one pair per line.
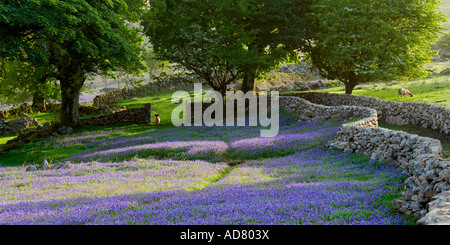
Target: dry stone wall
x,y
307,111
439,210
420,158
395,113
138,115
115,96
24,108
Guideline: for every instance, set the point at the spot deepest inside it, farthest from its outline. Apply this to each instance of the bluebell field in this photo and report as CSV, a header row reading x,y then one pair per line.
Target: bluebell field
x,y
204,175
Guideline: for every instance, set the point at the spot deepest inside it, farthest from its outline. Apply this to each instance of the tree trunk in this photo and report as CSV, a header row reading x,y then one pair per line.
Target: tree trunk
x,y
38,102
349,86
248,83
38,95
70,92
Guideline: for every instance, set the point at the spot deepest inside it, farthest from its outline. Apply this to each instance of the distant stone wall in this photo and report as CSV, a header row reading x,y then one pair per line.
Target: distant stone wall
x,y
138,115
307,111
395,113
419,157
24,108
115,96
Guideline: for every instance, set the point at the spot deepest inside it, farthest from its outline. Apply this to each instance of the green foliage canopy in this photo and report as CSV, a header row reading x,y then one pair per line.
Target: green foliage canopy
x,y
359,41
75,38
22,81
222,41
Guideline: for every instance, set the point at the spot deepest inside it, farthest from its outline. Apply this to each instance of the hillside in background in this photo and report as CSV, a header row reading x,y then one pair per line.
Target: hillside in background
x,y
446,10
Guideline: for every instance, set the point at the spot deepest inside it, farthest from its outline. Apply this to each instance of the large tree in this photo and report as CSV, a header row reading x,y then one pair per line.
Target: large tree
x,y
75,38
275,30
358,41
184,32
222,41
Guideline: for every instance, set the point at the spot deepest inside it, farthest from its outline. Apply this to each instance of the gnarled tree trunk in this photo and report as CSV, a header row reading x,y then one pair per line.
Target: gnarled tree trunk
x,y
250,74
351,83
70,93
349,87
71,84
38,102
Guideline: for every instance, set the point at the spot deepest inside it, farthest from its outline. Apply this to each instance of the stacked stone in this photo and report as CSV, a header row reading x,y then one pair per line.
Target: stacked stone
x,y
419,157
46,166
4,129
106,110
396,113
18,125
307,111
113,97
314,85
302,69
298,86
109,98
137,115
439,210
12,112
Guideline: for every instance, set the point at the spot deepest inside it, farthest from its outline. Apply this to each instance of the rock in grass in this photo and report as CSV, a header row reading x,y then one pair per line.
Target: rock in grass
x,y
65,130
31,169
45,165
62,165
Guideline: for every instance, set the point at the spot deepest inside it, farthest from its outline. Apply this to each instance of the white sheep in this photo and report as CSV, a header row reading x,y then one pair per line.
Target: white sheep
x,y
403,92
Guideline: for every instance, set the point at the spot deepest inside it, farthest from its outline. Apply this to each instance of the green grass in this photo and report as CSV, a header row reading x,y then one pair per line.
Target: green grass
x,y
32,152
5,138
434,90
161,104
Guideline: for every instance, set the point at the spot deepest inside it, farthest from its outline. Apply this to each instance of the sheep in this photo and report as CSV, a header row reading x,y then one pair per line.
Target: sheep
x,y
403,92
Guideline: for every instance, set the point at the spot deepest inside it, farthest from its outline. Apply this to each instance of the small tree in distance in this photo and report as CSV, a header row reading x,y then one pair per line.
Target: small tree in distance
x,y
357,41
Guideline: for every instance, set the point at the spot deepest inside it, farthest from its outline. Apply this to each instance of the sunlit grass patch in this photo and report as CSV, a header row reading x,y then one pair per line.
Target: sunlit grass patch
x,y
434,90
6,138
106,179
